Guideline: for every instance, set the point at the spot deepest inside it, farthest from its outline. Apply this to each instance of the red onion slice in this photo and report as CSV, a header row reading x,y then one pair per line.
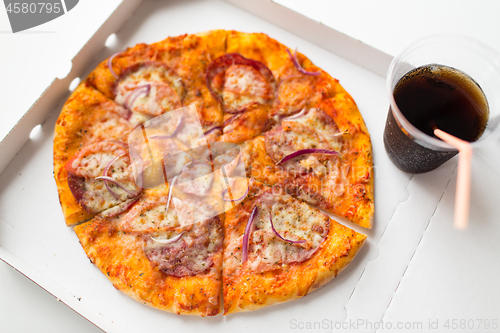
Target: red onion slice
x,y
307,151
213,129
246,236
134,94
231,119
174,180
170,192
279,236
334,134
105,173
179,125
240,198
167,241
119,143
110,64
297,115
117,183
299,67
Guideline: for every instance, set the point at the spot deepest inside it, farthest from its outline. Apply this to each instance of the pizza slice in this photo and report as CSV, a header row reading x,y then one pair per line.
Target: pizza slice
x,y
160,257
299,83
277,248
153,79
165,250
89,143
320,155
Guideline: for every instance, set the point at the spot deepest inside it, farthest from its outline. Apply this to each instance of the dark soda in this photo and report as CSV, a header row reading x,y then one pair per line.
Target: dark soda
x,y
429,97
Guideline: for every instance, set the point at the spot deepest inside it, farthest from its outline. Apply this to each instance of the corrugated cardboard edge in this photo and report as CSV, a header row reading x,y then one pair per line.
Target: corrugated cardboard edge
x,y
47,102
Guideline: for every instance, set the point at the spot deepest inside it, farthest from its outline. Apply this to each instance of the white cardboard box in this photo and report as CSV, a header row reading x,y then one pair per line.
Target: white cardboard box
x,y
49,253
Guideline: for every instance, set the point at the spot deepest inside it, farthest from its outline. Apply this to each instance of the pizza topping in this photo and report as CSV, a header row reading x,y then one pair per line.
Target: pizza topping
x,y
174,132
167,241
106,170
306,151
297,115
76,185
117,183
87,184
289,240
134,94
118,209
236,82
170,192
191,254
189,131
317,120
244,85
311,133
246,235
110,64
112,129
298,91
91,161
229,196
150,214
295,61
215,128
196,179
290,138
149,89
280,232
227,155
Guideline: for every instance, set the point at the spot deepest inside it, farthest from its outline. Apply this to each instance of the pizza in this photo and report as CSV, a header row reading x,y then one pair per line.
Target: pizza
x,y
196,172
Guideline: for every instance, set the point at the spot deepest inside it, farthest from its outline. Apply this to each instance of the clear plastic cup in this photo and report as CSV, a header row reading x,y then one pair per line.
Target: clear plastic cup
x,y
413,150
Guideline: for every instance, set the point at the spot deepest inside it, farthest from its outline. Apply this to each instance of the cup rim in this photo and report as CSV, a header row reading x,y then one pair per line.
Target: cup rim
x,y
419,136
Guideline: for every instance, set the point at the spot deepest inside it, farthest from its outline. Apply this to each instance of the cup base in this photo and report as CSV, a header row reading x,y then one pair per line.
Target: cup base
x,y
408,155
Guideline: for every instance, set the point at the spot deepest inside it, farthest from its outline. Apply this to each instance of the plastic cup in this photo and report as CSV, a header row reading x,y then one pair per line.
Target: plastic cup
x,y
412,150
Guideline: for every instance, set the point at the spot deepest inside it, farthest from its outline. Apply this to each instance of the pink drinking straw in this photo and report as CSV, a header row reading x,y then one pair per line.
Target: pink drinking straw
x,y
462,194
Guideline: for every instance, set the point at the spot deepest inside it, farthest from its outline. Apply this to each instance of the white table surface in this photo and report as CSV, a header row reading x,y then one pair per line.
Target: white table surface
x,y
28,61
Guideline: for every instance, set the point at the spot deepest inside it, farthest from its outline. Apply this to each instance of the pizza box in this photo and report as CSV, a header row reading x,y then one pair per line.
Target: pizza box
x,y
412,255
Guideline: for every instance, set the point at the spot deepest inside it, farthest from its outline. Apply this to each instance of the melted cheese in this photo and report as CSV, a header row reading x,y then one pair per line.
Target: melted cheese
x,y
293,220
244,85
191,254
90,163
165,92
152,215
111,129
322,125
196,180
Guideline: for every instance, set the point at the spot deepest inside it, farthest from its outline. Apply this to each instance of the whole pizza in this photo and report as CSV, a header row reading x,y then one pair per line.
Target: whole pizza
x,y
199,167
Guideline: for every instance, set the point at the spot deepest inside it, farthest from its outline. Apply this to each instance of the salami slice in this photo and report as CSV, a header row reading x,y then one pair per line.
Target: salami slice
x,y
103,159
192,254
313,129
181,240
237,82
269,248
149,89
